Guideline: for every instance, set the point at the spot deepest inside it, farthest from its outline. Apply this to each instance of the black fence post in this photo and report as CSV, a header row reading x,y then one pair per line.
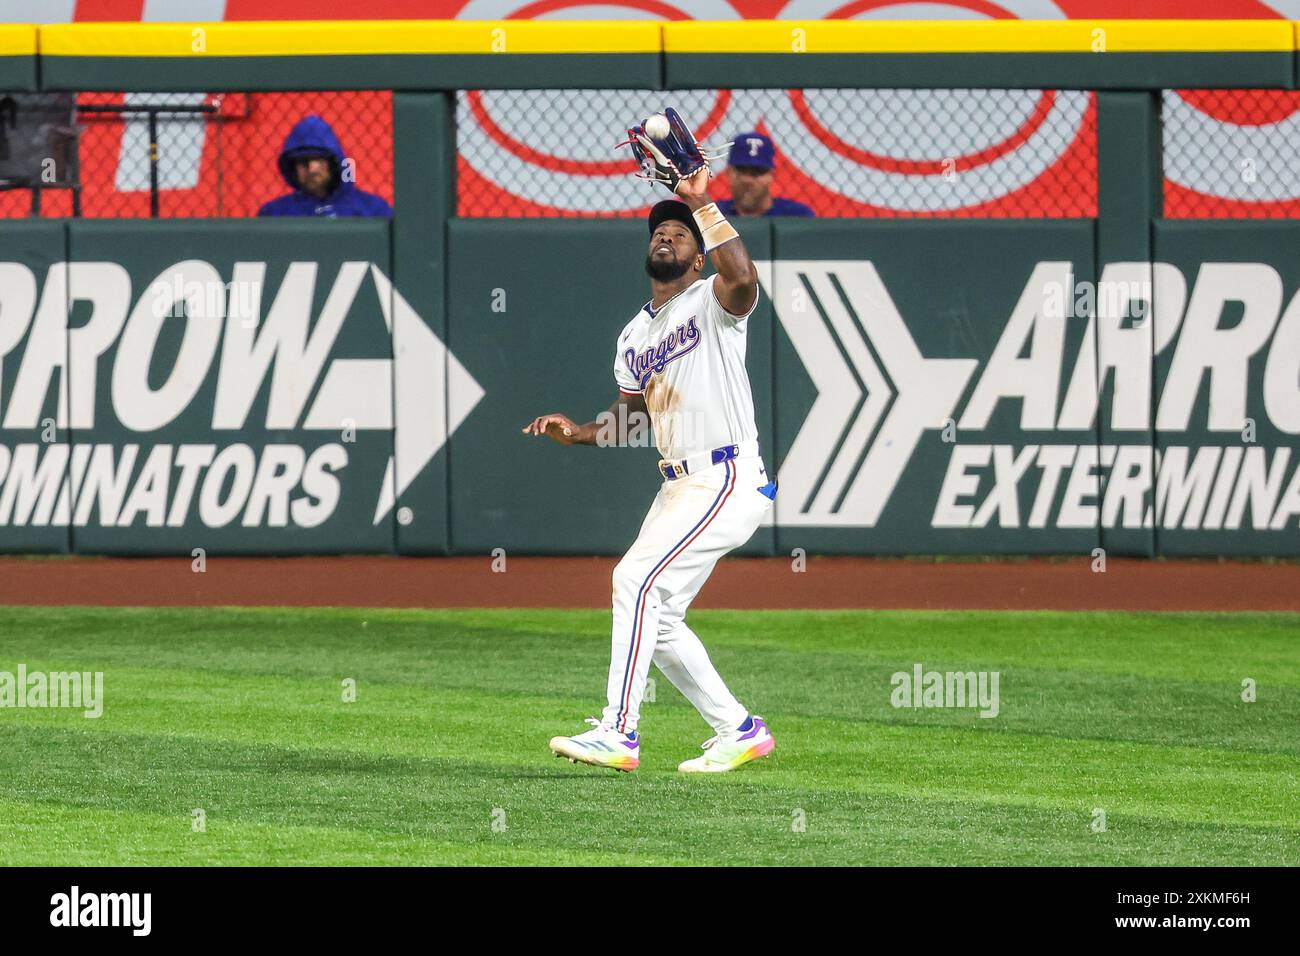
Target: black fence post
x,y
153,164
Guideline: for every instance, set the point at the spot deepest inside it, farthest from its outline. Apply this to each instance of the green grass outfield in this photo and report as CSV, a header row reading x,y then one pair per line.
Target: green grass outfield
x,y
442,758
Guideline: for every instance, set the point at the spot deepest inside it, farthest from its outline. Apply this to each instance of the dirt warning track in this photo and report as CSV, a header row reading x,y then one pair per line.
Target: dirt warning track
x,y
828,582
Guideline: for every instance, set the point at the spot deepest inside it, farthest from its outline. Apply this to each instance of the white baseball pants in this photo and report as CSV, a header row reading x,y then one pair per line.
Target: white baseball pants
x,y
692,522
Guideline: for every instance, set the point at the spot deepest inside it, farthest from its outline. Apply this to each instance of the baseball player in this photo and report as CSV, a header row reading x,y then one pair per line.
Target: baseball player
x,y
681,360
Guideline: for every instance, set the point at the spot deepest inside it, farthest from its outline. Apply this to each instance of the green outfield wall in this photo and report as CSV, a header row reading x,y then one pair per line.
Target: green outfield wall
x,y
925,387
945,387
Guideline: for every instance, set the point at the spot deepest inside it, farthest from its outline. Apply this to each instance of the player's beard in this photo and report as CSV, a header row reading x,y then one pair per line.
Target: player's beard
x,y
665,270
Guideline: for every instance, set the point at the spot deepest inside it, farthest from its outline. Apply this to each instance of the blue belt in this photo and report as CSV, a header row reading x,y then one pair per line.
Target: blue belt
x,y
672,470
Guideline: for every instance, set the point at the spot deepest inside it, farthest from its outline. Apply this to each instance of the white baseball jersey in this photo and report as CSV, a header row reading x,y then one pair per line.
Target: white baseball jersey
x,y
688,360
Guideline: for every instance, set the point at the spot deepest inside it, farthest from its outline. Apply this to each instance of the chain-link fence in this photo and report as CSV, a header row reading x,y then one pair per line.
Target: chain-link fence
x,y
863,153
853,153
214,155
1231,153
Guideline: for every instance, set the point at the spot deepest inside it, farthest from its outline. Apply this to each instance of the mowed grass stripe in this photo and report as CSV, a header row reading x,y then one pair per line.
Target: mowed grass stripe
x,y
1175,646
1196,785
1034,703
261,799
564,677
456,706
52,834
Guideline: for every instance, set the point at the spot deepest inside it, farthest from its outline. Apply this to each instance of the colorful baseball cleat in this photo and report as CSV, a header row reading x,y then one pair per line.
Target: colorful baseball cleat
x,y
749,741
602,746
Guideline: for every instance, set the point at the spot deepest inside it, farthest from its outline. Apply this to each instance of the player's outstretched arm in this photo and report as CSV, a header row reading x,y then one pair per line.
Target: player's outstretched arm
x,y
737,284
560,428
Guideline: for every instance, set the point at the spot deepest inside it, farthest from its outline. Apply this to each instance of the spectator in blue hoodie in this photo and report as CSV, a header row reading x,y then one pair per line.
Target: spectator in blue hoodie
x,y
312,163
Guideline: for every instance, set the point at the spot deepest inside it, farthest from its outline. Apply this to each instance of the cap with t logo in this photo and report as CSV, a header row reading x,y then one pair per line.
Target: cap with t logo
x,y
752,149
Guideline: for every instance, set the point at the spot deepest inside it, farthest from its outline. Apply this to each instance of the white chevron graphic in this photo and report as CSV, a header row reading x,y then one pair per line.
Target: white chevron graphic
x,y
863,406
423,393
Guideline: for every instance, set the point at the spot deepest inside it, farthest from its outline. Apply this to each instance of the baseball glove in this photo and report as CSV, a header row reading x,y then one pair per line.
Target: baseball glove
x,y
672,157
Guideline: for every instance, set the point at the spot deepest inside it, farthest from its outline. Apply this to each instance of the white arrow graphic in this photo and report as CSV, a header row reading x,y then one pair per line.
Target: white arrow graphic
x,y
846,322
423,393
430,382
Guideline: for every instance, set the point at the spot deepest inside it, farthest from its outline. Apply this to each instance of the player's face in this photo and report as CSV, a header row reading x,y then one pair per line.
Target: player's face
x,y
672,252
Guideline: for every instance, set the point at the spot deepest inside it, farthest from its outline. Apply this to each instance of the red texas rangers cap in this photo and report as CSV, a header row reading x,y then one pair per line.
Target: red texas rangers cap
x,y
677,211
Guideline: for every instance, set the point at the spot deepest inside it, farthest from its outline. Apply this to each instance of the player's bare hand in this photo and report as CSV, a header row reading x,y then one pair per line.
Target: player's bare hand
x,y
556,427
696,188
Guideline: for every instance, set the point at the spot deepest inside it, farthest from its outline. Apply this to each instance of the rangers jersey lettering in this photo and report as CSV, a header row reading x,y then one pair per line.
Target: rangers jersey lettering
x,y
688,359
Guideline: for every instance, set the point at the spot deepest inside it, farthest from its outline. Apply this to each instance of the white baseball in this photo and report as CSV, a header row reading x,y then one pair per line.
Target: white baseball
x,y
657,126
